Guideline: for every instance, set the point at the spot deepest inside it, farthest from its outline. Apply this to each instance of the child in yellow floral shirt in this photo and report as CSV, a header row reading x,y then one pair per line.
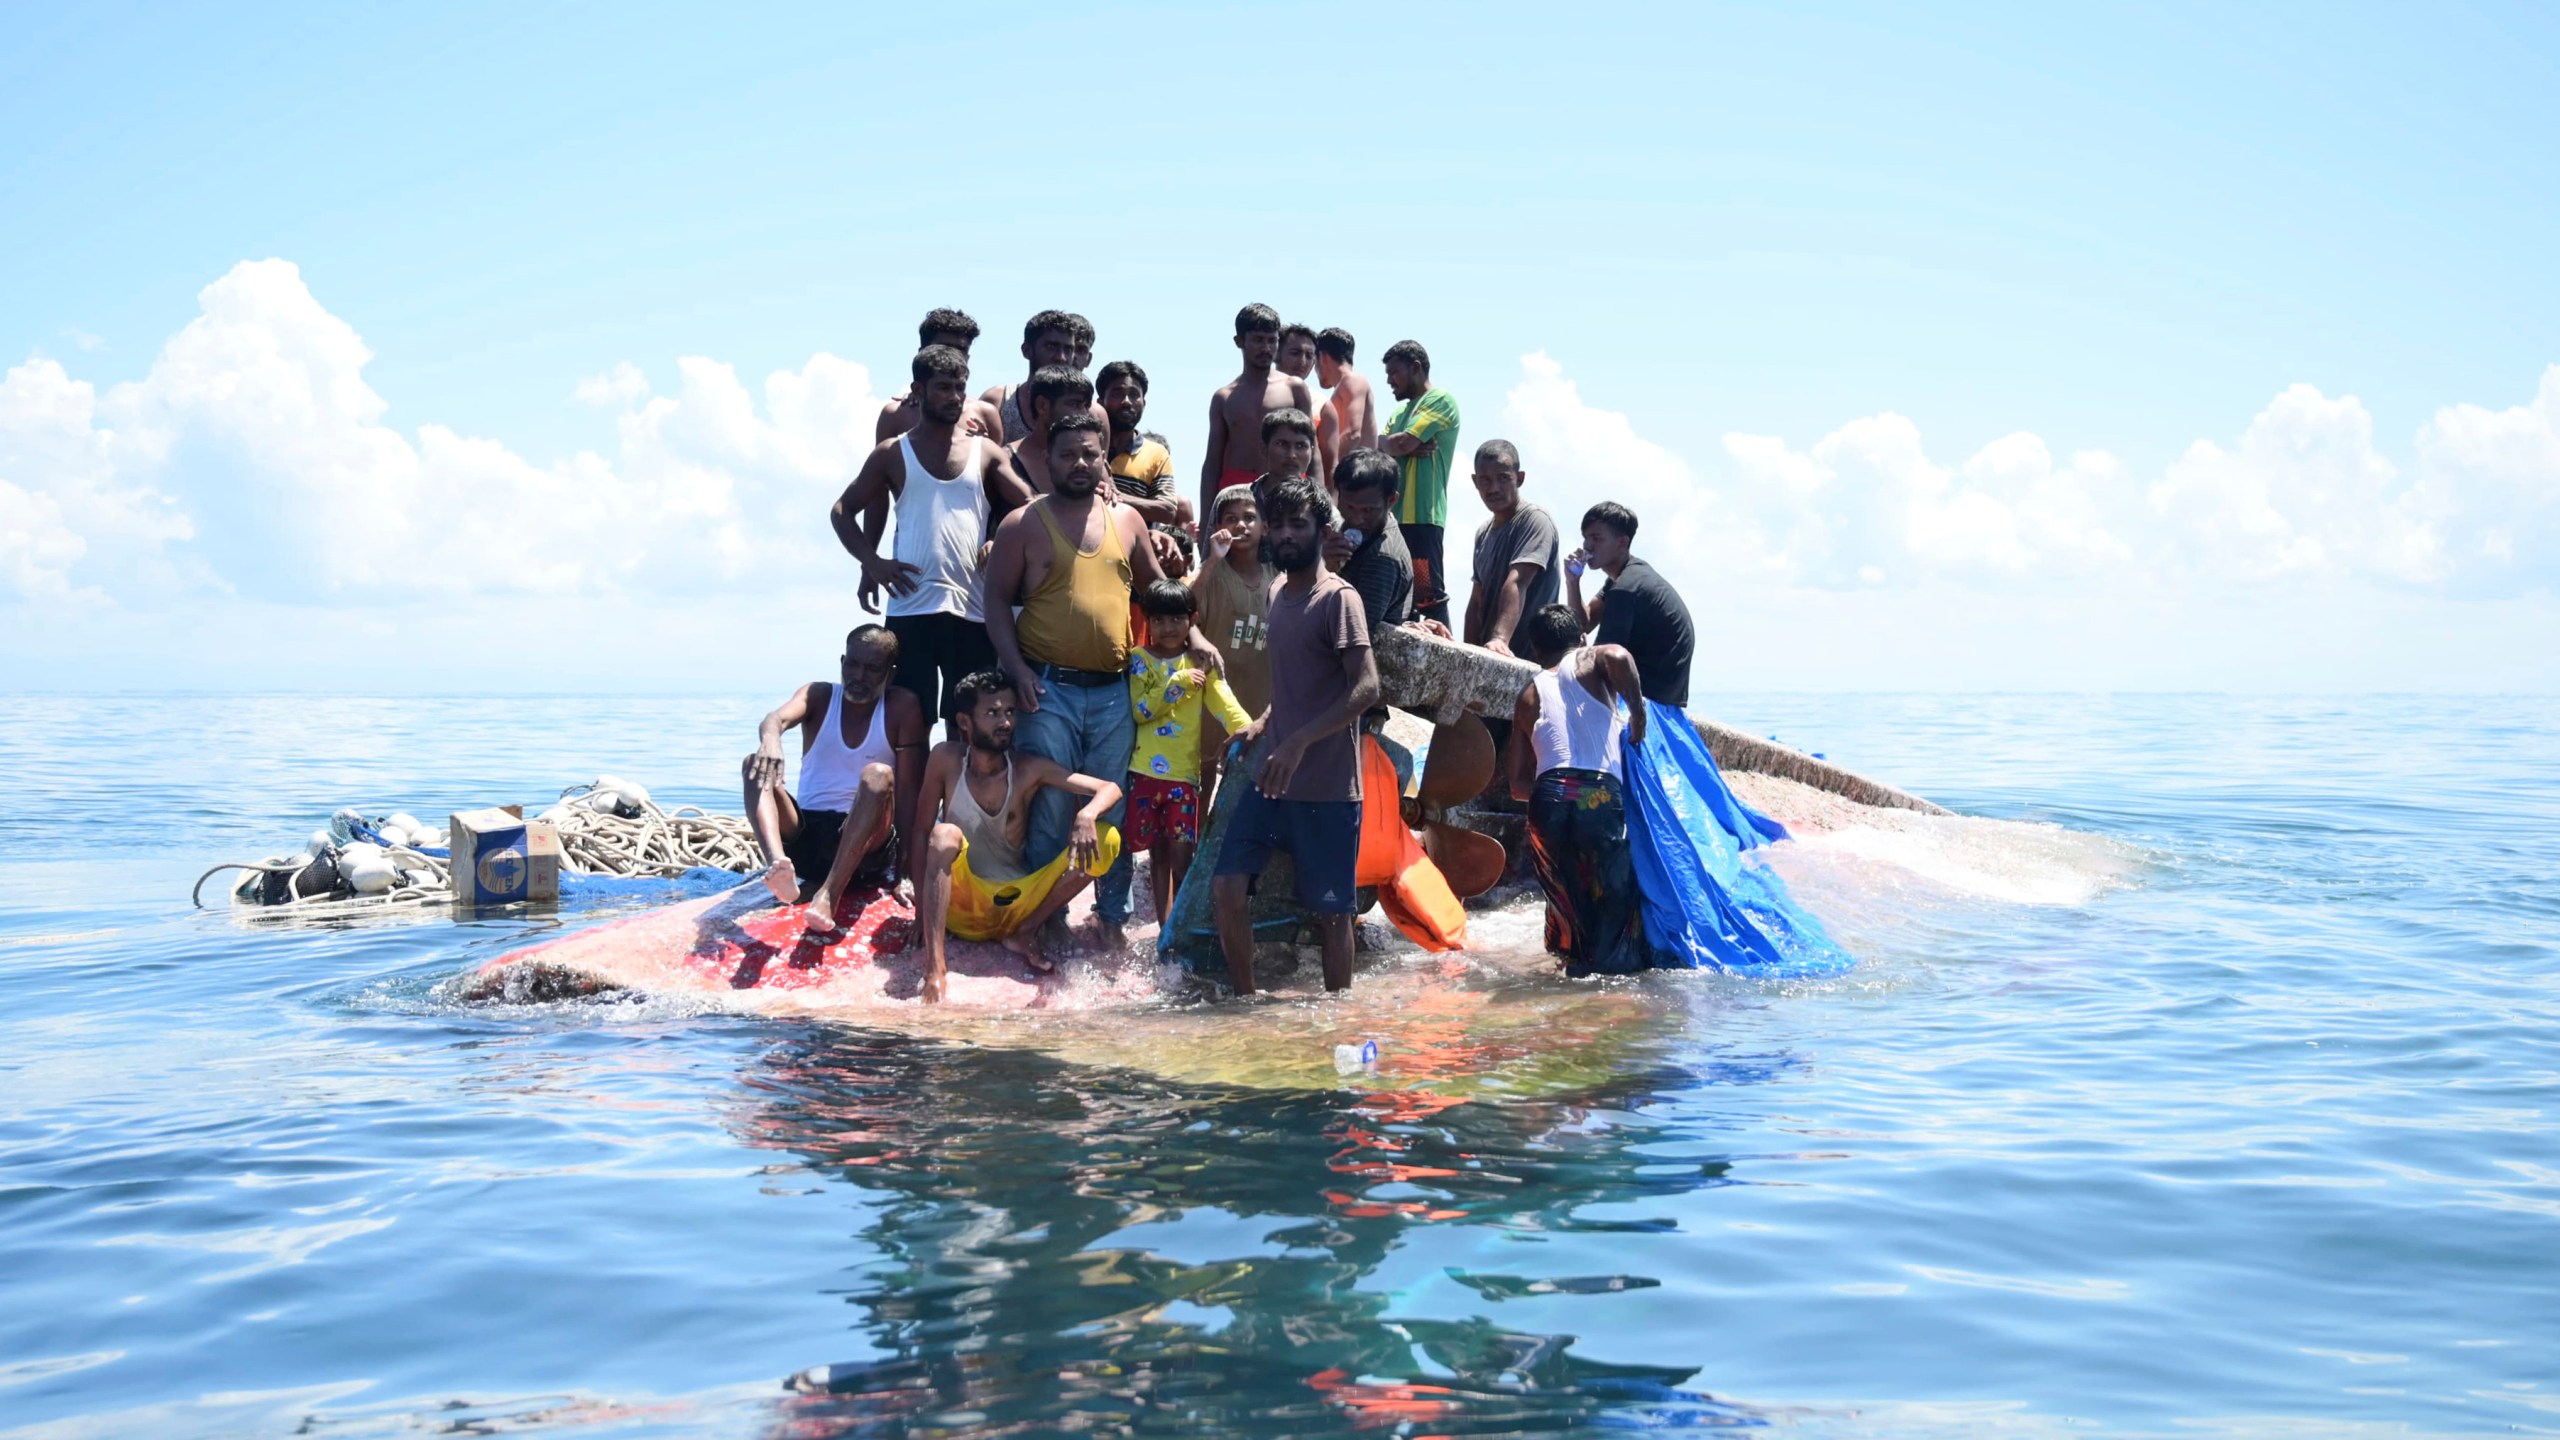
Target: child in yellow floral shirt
x,y
1166,696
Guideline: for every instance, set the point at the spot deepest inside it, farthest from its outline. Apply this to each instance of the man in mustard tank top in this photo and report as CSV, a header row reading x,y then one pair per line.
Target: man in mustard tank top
x,y
1072,562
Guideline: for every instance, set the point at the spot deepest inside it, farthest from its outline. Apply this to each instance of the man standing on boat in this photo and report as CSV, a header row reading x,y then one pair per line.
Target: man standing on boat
x,y
1072,561
1303,795
1350,418
906,408
862,742
1635,608
943,486
1052,337
1515,555
1423,436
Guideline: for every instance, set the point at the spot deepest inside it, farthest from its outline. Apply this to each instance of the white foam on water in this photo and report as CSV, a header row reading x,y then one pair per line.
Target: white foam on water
x,y
1839,845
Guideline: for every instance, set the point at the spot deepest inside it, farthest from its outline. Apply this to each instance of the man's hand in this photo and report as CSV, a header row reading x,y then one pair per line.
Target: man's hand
x,y
1168,554
1635,725
1429,626
896,576
1576,563
1247,737
868,597
1280,767
1082,842
972,423
1501,647
1203,655
1027,690
763,769
1337,550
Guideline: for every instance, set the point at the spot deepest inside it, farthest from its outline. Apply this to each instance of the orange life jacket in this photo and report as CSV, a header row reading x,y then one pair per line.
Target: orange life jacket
x,y
1411,889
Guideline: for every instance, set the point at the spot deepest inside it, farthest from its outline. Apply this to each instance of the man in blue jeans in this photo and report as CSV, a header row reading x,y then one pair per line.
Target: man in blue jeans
x,y
1070,559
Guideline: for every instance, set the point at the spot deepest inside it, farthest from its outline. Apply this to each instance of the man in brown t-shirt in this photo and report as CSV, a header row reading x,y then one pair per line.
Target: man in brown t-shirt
x,y
1305,796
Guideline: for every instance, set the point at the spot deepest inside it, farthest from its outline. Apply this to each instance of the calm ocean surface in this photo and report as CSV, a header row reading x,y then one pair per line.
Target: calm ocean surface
x,y
2219,1099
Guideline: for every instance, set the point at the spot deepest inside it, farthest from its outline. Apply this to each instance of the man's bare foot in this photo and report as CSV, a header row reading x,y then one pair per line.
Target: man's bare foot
x,y
821,913
931,991
783,879
1026,944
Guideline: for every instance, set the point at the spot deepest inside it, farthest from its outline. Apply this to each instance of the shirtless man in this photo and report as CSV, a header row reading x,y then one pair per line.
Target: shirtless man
x,y
972,819
1350,418
945,515
941,327
1052,337
861,759
1233,455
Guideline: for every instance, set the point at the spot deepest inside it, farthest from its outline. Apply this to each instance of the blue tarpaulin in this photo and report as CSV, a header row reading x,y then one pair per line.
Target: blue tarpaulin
x,y
1705,905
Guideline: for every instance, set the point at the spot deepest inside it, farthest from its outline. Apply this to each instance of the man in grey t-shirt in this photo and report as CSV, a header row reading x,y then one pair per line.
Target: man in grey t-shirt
x,y
1515,566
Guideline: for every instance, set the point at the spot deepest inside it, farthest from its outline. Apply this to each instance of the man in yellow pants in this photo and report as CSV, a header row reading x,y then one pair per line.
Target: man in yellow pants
x,y
971,819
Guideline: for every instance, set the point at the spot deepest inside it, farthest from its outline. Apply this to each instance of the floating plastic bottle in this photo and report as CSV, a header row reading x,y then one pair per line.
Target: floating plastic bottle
x,y
1355,1059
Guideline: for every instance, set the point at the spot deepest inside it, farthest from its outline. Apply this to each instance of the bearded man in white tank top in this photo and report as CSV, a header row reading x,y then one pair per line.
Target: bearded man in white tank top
x,y
943,485
862,751
1568,762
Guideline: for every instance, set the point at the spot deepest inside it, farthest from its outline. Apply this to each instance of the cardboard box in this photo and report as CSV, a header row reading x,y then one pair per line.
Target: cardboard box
x,y
501,858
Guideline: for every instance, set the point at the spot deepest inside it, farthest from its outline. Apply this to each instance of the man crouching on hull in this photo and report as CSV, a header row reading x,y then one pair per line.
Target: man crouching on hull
x,y
861,758
971,821
1305,797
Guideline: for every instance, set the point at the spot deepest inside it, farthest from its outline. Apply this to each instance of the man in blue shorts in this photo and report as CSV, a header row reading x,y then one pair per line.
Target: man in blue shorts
x,y
1305,794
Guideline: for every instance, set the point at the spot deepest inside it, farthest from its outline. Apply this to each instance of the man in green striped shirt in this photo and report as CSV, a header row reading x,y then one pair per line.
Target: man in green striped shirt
x,y
1423,436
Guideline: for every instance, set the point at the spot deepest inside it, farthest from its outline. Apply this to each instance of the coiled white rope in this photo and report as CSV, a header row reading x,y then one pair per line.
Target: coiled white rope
x,y
597,837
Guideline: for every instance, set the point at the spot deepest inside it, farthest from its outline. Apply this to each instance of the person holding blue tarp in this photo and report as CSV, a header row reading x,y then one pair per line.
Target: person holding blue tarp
x,y
1570,731
1632,829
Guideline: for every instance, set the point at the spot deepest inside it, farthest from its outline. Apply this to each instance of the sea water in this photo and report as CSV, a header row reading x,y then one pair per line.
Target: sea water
x,y
2211,1090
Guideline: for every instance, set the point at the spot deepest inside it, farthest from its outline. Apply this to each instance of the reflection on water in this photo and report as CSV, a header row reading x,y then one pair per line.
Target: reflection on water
x,y
1136,1257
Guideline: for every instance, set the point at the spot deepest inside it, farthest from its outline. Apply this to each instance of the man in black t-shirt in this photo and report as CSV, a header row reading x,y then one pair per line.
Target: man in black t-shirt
x,y
1637,608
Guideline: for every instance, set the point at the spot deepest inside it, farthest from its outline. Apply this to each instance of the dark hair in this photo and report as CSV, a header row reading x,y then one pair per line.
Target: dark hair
x,y
1287,417
1117,371
871,634
1077,422
935,360
1335,342
1294,328
1614,515
1548,632
972,689
1296,494
1079,330
1168,597
946,322
1051,384
1244,496
1411,353
1366,469
1257,320
1499,451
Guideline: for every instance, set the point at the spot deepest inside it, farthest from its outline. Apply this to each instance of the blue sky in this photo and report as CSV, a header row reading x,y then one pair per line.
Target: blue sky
x,y
1853,251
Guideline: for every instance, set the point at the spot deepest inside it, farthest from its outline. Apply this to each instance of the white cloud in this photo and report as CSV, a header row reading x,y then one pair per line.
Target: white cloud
x,y
2303,491
253,457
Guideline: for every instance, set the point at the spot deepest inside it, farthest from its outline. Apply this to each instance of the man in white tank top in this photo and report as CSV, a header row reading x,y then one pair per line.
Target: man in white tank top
x,y
1568,750
943,485
862,743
